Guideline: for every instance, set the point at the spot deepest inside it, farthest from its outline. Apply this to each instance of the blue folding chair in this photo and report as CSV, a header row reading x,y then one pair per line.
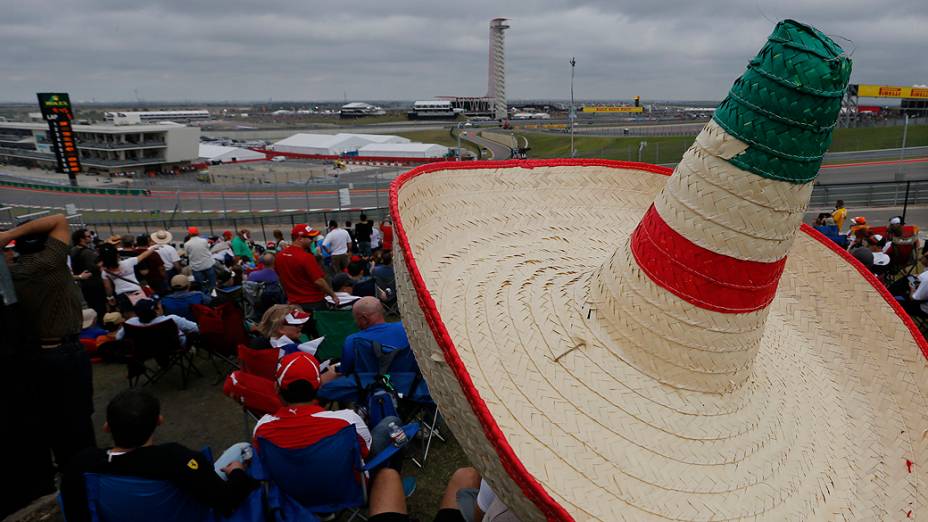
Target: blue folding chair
x,y
373,358
326,477
831,232
115,498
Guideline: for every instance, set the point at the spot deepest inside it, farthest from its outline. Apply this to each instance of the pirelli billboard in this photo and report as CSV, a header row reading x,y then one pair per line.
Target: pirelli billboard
x,y
890,91
611,108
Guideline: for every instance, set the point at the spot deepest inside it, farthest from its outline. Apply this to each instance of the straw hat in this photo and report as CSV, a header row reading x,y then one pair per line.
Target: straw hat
x,y
610,343
161,237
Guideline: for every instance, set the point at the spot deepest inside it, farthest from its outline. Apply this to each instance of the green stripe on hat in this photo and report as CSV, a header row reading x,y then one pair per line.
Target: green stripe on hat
x,y
785,105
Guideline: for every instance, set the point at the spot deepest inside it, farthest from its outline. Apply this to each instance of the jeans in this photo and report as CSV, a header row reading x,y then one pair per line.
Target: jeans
x,y
365,248
380,434
206,279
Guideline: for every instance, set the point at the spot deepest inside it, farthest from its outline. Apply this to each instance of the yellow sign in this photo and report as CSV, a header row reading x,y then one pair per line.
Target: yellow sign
x,y
889,91
611,108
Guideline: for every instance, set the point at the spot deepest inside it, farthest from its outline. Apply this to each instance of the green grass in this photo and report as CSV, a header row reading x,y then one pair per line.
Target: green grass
x,y
439,136
670,149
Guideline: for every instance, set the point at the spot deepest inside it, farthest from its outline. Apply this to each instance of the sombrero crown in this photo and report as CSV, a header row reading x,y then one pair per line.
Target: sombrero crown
x,y
597,364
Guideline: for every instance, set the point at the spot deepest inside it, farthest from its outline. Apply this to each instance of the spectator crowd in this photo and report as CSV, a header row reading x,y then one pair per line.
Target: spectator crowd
x,y
71,299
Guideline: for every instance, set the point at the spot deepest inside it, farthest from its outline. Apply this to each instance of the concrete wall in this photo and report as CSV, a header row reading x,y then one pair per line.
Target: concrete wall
x,y
183,144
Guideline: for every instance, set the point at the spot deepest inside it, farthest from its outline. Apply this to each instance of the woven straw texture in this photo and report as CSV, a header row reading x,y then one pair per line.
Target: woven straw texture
x,y
786,103
578,395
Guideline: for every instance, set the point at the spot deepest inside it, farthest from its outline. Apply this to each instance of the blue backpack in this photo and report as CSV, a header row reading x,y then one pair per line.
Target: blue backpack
x,y
381,402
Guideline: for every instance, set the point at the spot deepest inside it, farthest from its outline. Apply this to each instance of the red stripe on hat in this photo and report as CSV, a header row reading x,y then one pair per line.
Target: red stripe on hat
x,y
700,276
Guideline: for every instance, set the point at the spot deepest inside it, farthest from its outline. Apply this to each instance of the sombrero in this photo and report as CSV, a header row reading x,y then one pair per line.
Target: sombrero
x,y
610,343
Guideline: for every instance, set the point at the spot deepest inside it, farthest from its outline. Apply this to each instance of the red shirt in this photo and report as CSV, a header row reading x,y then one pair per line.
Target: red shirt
x,y
298,272
387,236
295,427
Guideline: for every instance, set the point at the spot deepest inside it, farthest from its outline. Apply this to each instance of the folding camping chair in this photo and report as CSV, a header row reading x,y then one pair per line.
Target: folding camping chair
x,y
372,357
298,487
222,329
160,342
253,386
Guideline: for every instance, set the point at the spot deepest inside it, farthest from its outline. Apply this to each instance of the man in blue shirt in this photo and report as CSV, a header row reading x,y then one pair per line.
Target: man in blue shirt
x,y
179,301
267,273
368,315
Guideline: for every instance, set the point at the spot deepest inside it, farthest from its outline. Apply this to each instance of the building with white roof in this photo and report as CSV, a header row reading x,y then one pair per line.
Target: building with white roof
x,y
219,153
332,144
403,150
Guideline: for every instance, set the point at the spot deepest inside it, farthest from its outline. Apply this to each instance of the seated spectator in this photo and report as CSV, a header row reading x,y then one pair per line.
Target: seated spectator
x,y
181,298
265,274
269,321
912,292
343,285
301,422
383,272
89,328
368,315
131,418
149,312
288,334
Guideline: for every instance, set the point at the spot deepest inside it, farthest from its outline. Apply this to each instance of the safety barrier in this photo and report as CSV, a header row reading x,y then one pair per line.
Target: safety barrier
x,y
77,190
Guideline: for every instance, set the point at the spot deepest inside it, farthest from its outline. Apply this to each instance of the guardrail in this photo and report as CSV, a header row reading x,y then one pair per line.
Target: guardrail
x,y
878,194
77,190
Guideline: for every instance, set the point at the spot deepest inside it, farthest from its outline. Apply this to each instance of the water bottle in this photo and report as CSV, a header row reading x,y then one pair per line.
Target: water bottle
x,y
397,435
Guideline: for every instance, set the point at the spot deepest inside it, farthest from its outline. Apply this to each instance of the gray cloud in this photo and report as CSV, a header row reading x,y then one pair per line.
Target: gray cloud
x,y
371,49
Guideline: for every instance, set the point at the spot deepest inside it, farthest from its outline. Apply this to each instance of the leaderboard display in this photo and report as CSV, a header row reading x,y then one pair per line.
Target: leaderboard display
x,y
56,109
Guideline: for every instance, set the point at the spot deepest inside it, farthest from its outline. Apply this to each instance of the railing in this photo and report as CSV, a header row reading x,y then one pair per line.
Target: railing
x,y
879,194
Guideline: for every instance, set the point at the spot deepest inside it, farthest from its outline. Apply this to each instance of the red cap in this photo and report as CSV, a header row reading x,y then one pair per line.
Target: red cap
x,y
227,234
298,366
11,244
296,318
193,231
356,259
303,230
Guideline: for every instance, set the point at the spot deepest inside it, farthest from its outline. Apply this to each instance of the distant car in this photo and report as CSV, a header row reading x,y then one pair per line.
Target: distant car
x,y
279,158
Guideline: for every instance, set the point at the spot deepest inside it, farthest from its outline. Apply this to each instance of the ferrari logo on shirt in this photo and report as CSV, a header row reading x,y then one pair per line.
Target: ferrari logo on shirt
x,y
192,464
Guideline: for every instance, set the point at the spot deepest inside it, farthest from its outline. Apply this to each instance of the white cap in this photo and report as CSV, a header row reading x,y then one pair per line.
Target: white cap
x,y
895,221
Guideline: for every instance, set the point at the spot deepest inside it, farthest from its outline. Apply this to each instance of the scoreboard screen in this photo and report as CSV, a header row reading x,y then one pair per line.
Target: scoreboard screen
x,y
56,109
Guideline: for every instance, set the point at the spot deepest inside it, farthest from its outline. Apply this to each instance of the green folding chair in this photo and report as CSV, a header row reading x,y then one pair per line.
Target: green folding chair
x,y
335,325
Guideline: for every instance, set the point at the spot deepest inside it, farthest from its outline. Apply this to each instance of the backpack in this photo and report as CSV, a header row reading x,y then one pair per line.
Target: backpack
x,y
261,296
381,401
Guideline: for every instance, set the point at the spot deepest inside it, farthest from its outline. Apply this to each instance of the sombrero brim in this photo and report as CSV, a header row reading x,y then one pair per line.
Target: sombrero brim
x,y
494,266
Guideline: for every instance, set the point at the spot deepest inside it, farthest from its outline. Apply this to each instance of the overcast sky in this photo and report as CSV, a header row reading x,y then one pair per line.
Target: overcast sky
x,y
398,49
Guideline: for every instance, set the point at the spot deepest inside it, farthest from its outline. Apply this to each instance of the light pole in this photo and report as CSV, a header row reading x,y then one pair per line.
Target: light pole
x,y
573,111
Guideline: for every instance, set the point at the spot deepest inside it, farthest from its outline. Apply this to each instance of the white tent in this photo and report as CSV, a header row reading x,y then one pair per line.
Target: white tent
x,y
403,150
331,145
210,152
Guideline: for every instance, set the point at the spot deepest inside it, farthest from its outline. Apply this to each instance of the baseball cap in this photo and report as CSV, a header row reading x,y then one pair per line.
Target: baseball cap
x,y
303,230
113,318
895,221
180,281
296,317
227,234
298,366
859,220
193,231
10,245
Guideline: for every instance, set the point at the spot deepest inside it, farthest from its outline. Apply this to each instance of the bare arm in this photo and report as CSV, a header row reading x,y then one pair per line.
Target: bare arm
x,y
326,289
55,226
149,251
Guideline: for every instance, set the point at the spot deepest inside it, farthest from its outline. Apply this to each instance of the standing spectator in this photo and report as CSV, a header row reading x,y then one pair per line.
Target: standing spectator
x,y
279,242
362,234
122,287
200,260
50,304
300,275
240,248
168,253
387,230
376,237
353,244
84,258
151,269
337,241
839,214
383,272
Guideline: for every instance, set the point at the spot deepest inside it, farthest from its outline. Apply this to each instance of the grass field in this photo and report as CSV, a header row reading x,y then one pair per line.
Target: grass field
x,y
670,149
439,136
